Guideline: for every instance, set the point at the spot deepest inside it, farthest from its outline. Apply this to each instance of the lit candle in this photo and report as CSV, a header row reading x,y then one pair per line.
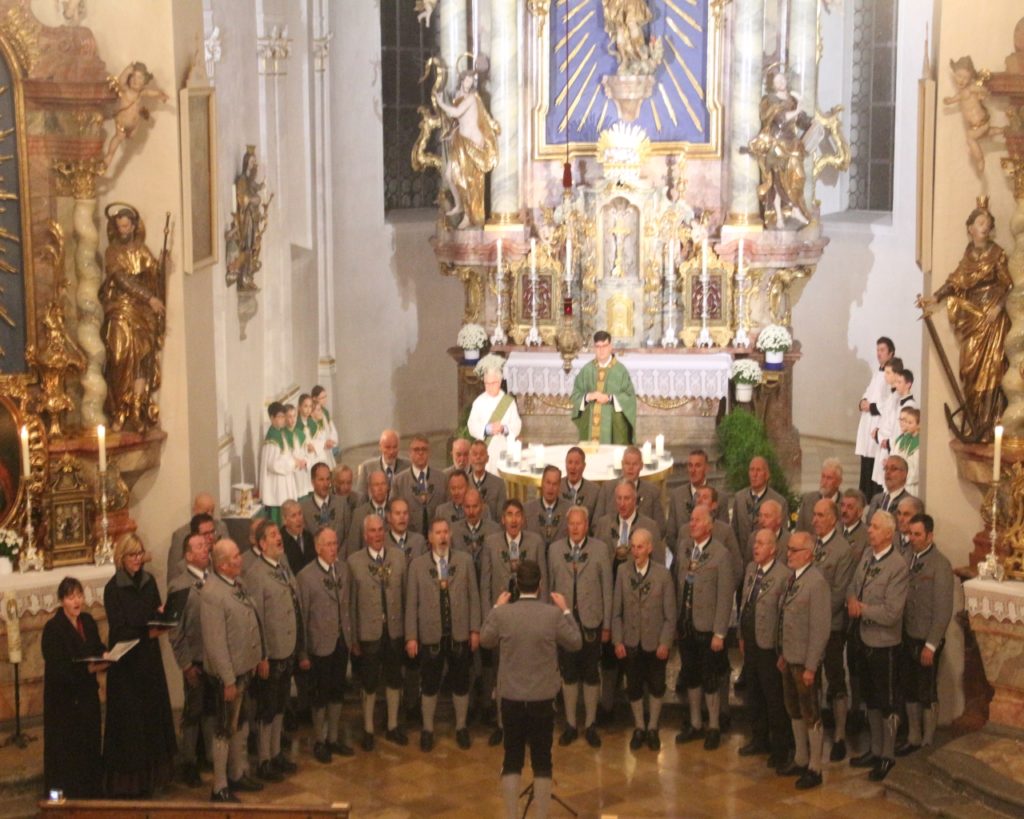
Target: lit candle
x,y
568,264
997,459
26,461
646,450
101,437
538,456
659,445
533,258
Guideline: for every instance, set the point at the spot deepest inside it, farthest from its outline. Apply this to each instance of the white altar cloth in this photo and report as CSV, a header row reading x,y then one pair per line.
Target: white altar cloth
x,y
994,600
37,591
655,375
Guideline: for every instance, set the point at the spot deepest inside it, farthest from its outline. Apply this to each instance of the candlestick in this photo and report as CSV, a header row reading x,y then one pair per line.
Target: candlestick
x,y
105,553
499,337
568,265
533,338
997,458
101,437
26,460
741,339
668,339
704,339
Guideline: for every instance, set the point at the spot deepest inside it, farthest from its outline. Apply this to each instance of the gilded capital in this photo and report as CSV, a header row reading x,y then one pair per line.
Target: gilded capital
x,y
77,177
1014,167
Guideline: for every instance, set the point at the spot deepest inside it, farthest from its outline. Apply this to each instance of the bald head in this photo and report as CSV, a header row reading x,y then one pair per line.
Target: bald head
x,y
226,558
204,504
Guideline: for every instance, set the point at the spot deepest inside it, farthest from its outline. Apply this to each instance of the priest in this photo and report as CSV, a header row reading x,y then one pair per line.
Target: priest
x,y
603,400
494,418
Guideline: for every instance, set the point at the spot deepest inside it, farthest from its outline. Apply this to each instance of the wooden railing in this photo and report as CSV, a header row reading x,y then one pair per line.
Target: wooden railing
x,y
96,808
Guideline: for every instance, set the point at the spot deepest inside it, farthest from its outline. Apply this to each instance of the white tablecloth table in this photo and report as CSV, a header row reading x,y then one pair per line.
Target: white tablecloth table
x,y
994,600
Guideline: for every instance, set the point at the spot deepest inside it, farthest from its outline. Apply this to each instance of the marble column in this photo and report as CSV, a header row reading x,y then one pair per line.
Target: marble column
x,y
454,44
1013,380
803,68
744,122
323,196
505,108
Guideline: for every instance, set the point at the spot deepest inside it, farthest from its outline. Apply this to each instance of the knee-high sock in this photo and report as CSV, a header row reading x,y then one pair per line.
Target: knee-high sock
x,y
637,707
510,794
840,708
542,796
801,755
694,696
189,737
276,727
265,738
333,720
889,726
429,705
591,694
394,697
609,679
714,702
570,696
930,717
815,739
654,706
221,747
914,723
369,703
320,730
875,726
461,703
238,757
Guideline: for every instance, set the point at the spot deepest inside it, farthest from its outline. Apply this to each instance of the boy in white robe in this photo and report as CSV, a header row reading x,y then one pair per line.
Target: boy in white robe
x,y
277,465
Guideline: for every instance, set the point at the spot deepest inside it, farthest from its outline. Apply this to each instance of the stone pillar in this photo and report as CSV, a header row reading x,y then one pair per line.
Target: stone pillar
x,y
746,89
454,38
803,69
1013,381
504,49
323,198
77,179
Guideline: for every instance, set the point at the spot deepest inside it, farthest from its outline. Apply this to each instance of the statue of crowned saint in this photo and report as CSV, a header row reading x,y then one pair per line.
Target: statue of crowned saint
x,y
603,399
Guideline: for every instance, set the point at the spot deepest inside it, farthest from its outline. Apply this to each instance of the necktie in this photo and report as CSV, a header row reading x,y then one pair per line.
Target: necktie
x,y
379,559
574,552
80,628
421,483
885,502
324,516
624,532
819,550
390,473
442,568
401,543
513,550
380,512
755,590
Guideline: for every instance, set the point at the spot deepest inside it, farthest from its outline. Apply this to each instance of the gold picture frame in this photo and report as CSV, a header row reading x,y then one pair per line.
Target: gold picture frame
x,y
197,104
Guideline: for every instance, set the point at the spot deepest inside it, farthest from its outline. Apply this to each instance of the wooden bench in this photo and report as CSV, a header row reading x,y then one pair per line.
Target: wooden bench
x,y
95,808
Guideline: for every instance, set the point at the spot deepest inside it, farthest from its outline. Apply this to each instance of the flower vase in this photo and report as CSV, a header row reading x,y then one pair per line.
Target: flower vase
x,y
773,359
470,355
744,393
6,566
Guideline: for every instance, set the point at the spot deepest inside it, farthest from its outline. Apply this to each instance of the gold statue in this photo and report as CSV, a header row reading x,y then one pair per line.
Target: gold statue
x,y
131,91
431,119
1015,61
133,326
780,153
472,150
970,96
625,22
975,295
248,224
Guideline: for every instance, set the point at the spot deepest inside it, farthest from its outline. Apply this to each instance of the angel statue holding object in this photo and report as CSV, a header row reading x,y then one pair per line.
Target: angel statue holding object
x,y
132,92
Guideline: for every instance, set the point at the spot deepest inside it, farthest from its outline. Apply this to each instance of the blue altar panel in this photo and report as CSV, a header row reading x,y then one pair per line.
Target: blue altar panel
x,y
577,107
13,308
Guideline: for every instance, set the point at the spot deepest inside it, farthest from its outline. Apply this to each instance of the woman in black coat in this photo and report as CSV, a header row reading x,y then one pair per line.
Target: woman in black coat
x,y
138,744
71,701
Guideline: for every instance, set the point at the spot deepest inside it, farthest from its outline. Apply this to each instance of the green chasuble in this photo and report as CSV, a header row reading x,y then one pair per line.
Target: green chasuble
x,y
600,422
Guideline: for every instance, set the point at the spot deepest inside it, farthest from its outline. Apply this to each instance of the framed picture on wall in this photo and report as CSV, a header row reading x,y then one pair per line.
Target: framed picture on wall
x,y
198,138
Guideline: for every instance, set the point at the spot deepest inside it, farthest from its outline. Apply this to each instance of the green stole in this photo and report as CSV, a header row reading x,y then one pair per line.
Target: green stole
x,y
499,413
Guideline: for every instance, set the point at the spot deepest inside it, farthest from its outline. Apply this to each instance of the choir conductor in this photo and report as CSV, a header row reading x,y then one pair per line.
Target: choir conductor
x,y
529,634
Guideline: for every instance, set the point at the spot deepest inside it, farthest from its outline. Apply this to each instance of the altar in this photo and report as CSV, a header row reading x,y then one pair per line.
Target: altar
x,y
996,612
679,394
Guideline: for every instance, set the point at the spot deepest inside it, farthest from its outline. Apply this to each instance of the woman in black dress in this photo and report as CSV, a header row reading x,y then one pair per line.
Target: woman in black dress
x,y
71,701
139,744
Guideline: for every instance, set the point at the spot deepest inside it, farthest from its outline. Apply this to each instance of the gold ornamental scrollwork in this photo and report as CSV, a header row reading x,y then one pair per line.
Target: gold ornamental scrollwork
x,y
20,28
1009,517
539,9
77,177
558,402
472,287
1013,166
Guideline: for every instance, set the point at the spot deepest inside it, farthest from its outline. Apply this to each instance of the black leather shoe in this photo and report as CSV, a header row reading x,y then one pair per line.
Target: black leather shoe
x,y
838,752
397,736
284,765
638,739
367,742
689,734
653,740
808,779
340,748
792,769
462,739
712,739
569,736
881,769
321,752
906,749
246,784
496,737
593,738
224,795
753,748
268,772
426,741
778,763
865,760
190,775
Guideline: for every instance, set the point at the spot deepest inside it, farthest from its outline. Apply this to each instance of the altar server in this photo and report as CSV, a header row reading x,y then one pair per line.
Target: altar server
x,y
277,465
870,411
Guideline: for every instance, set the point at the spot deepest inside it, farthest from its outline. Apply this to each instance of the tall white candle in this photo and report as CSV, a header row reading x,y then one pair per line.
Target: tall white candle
x,y
659,445
533,258
739,260
646,452
997,458
101,437
26,461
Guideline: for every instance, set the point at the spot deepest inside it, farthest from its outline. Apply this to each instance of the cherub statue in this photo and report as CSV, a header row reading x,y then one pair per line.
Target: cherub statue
x,y
1015,61
425,8
132,92
970,96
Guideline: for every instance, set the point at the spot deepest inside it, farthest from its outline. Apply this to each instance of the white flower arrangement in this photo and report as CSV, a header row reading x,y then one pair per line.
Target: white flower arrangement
x,y
490,362
746,371
471,337
774,339
10,543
